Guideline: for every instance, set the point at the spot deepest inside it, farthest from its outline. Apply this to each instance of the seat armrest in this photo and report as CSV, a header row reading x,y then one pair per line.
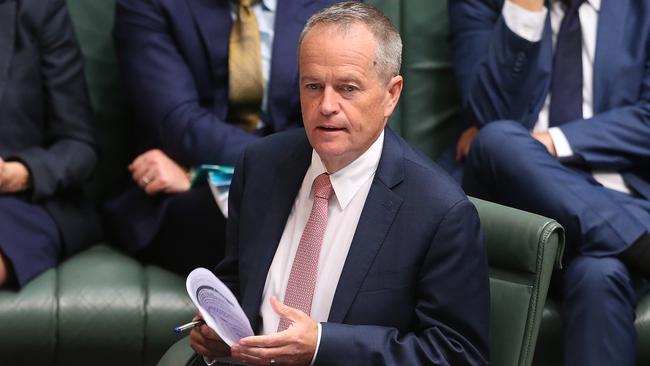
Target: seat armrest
x,y
513,236
523,249
180,354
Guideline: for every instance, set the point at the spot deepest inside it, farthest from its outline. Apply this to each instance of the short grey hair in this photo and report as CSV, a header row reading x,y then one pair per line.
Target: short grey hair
x,y
388,54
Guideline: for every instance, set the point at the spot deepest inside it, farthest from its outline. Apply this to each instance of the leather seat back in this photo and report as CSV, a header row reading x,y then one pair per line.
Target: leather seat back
x,y
428,112
523,248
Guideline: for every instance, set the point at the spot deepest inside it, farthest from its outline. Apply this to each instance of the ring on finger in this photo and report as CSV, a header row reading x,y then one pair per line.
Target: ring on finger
x,y
145,180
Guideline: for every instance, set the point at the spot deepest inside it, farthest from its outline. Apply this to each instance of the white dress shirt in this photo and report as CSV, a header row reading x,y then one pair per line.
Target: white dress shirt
x,y
351,186
530,26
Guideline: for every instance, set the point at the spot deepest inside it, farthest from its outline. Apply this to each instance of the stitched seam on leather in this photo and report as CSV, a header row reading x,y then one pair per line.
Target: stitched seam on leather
x,y
532,306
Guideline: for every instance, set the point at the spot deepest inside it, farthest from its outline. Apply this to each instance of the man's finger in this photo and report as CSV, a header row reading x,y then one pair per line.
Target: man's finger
x,y
466,150
251,360
2,170
198,343
200,349
139,173
266,341
208,333
208,346
286,311
154,187
139,161
265,353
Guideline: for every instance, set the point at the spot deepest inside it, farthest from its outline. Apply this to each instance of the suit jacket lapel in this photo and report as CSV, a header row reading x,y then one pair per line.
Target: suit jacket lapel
x,y
376,218
214,21
286,184
7,37
611,21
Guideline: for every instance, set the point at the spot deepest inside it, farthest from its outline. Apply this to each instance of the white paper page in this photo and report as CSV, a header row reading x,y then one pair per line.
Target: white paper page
x,y
218,306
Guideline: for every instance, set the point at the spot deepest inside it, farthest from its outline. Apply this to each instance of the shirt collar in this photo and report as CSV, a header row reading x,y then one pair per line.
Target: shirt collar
x,y
271,5
347,181
595,4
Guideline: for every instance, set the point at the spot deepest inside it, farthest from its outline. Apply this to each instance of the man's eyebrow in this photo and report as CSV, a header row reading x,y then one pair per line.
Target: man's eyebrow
x,y
308,78
349,79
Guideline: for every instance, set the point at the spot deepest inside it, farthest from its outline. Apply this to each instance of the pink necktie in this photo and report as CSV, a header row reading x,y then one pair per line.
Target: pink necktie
x,y
302,279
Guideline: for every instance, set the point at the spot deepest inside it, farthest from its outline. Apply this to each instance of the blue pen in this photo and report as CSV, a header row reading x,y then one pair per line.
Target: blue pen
x,y
189,325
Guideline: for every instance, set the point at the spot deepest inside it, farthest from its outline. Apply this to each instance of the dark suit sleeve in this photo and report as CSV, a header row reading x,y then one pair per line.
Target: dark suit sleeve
x,y
617,139
503,76
228,269
163,91
451,308
68,157
500,75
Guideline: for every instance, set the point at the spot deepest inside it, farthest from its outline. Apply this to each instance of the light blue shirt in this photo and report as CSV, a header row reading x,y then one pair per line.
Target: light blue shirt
x,y
265,13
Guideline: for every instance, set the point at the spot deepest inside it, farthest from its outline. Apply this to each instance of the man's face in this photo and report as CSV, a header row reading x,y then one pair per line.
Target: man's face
x,y
345,102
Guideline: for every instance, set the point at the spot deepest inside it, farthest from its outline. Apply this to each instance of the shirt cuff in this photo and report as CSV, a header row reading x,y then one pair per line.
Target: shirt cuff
x,y
562,147
313,359
209,361
527,24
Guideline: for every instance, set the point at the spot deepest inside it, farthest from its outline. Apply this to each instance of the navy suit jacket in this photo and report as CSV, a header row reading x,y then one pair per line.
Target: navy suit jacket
x,y
504,77
45,116
173,57
414,287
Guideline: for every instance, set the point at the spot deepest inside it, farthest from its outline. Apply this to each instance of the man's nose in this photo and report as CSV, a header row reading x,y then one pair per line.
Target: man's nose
x,y
329,104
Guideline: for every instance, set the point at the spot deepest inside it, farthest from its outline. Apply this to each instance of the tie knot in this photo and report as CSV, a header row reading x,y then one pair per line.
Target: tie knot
x,y
572,4
323,186
246,2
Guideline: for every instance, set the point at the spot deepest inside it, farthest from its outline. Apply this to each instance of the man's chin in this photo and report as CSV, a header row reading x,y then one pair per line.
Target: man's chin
x,y
334,158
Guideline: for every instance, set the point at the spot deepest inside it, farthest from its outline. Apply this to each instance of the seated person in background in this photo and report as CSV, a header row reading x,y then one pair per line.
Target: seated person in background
x,y
47,146
375,253
204,79
561,94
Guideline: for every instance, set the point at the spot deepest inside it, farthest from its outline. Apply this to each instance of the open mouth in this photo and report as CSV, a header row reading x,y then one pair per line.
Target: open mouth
x,y
330,128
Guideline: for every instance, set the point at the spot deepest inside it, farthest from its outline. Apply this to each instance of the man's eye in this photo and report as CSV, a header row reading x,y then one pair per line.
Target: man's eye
x,y
312,86
349,88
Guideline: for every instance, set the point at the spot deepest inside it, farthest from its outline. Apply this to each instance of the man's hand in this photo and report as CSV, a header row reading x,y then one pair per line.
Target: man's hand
x,y
14,177
294,346
155,172
465,142
546,140
206,342
531,5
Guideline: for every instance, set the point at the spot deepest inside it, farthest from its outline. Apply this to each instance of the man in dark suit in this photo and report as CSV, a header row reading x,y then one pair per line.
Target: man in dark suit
x,y
380,261
561,92
176,59
47,146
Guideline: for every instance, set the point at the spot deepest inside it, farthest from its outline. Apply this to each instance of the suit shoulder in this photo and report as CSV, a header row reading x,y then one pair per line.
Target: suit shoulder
x,y
430,179
278,146
37,12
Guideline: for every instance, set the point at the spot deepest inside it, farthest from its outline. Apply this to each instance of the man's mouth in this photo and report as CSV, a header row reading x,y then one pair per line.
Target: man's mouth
x,y
330,128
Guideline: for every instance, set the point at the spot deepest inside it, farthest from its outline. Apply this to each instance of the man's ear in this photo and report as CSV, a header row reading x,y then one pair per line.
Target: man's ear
x,y
394,90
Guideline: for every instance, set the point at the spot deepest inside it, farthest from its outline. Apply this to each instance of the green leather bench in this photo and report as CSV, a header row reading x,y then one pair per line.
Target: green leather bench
x,y
97,308
103,308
